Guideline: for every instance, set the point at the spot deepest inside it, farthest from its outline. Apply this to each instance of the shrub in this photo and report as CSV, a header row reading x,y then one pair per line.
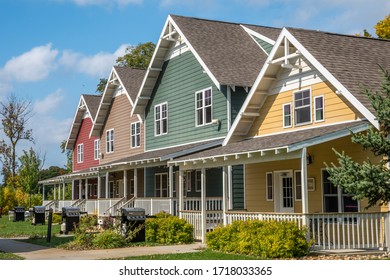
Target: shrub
x,y
264,239
109,239
168,229
88,222
56,218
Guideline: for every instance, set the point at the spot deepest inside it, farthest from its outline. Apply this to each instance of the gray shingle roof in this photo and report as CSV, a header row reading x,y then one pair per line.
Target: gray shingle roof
x,y
226,48
131,78
354,61
93,102
273,141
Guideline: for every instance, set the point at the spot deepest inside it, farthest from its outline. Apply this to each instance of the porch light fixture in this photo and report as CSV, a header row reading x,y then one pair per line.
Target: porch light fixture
x,y
309,159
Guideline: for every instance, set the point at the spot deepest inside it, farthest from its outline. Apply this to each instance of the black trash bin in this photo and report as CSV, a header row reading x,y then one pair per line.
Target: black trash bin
x,y
18,213
38,215
71,215
133,219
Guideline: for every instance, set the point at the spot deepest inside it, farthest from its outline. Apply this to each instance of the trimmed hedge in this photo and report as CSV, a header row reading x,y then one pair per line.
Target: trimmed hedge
x,y
263,239
168,229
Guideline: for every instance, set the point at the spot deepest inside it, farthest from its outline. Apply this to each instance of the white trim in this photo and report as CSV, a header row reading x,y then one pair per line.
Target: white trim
x,y
315,108
96,151
229,107
80,153
260,36
203,107
161,118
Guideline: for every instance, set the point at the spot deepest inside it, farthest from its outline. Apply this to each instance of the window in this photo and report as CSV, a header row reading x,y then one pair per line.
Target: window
x,y
135,132
161,184
161,119
198,180
80,153
96,149
187,181
287,115
319,108
336,200
110,141
269,186
298,185
203,107
302,107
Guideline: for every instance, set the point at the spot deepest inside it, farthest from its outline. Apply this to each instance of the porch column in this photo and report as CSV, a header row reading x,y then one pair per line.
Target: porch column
x,y
203,202
80,188
86,188
99,185
73,189
107,177
225,199
305,205
229,187
63,190
125,183
54,192
136,182
181,193
170,187
43,192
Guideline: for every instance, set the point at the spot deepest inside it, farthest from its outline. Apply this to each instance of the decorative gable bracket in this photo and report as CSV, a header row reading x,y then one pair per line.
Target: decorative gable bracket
x,y
284,61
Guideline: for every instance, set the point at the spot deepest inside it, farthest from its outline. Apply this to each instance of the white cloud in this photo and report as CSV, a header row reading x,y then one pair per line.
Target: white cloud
x,y
32,65
97,65
50,103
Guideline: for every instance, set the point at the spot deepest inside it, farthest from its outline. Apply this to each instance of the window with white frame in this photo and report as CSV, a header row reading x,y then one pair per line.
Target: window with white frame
x,y
335,199
302,107
319,108
110,141
135,131
96,149
161,119
80,153
298,185
203,107
287,115
198,180
161,184
269,186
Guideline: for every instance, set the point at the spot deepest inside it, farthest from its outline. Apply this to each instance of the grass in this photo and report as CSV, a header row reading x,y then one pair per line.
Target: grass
x,y
201,255
9,256
10,229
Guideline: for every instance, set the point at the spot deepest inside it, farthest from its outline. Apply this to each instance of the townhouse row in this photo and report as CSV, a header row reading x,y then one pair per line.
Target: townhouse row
x,y
232,121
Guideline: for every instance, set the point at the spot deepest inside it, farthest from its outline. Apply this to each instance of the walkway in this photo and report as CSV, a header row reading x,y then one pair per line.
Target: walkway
x,y
36,252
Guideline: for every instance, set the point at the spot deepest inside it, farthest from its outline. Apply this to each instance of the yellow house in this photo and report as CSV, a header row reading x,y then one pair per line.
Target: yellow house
x,y
306,101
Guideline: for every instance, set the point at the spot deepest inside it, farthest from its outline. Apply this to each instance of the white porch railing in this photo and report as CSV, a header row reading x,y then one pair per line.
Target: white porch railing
x,y
327,231
154,205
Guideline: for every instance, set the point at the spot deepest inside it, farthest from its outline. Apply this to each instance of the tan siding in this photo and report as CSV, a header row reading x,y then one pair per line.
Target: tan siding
x,y
337,109
255,176
119,119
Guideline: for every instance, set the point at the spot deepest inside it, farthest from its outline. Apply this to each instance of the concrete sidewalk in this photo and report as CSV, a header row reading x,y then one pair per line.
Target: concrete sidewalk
x,y
36,252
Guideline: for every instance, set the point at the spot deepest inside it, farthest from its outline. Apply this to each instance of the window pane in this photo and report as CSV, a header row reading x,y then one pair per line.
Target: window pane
x,y
208,114
302,115
298,185
164,126
199,117
349,205
331,204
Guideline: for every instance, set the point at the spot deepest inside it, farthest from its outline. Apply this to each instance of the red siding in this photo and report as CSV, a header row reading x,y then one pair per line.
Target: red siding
x,y
83,138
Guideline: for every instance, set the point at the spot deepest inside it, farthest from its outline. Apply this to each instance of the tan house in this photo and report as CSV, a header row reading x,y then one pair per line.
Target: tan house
x,y
306,101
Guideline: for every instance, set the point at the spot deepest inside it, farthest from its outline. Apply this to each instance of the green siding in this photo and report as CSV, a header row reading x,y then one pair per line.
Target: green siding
x,y
180,78
238,187
267,47
237,99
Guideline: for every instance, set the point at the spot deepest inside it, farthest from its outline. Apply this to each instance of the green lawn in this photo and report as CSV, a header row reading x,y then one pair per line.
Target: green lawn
x,y
9,256
201,255
11,229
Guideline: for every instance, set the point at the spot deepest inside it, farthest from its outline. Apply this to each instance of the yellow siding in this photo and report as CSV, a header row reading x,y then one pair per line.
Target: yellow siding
x,y
336,109
255,179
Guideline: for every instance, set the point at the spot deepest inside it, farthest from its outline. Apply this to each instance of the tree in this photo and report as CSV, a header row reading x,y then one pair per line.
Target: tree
x,y
5,159
69,157
368,179
15,114
135,57
382,28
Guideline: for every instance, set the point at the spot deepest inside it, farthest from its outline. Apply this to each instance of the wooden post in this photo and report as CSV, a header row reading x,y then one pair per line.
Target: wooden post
x,y
203,202
170,188
107,177
135,182
305,205
125,183
99,185
181,193
224,194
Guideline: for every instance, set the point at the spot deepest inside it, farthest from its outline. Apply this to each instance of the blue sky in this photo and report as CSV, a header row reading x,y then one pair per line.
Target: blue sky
x,y
52,51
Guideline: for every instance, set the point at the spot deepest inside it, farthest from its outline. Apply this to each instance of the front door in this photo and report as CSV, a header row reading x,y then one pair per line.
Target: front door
x,y
286,193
